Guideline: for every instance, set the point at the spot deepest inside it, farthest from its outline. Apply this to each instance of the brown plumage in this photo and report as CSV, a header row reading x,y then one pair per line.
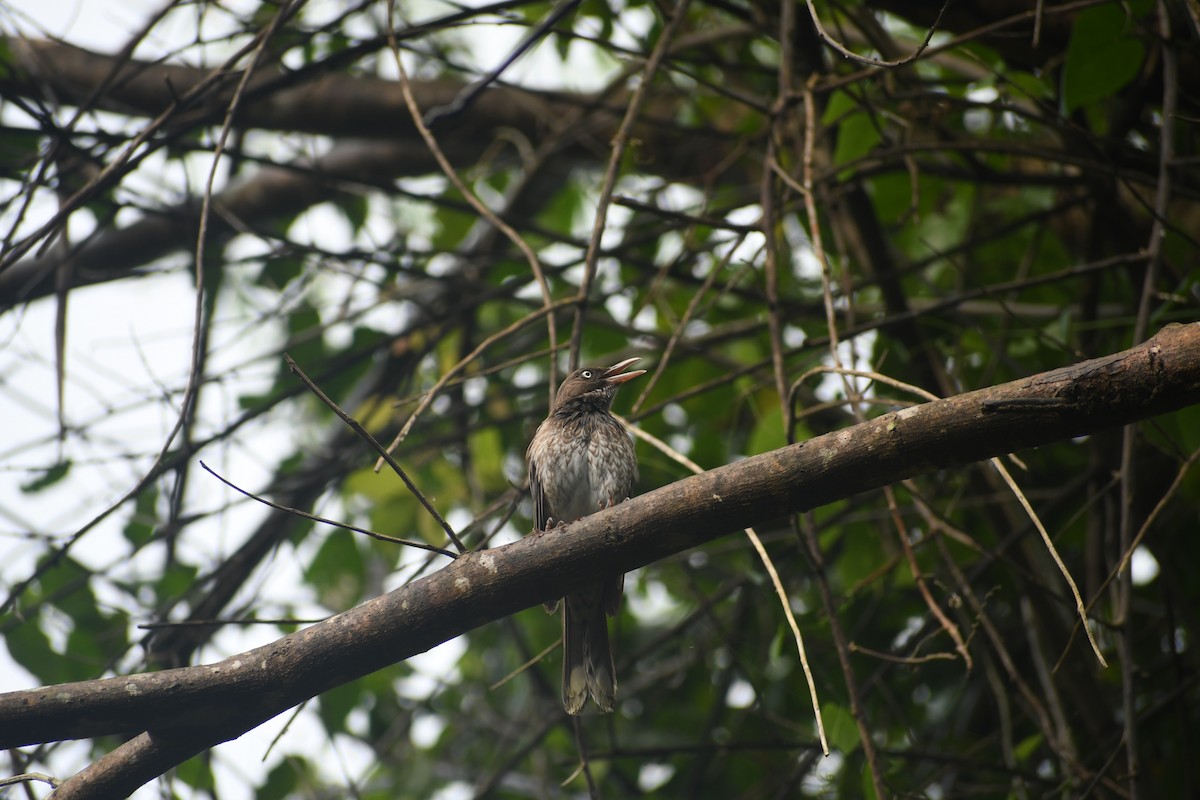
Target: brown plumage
x,y
580,461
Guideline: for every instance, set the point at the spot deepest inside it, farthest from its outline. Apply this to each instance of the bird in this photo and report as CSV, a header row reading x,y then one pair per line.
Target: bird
x,y
581,460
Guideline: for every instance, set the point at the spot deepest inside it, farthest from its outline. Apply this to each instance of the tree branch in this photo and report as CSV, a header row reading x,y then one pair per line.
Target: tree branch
x,y
379,143
187,710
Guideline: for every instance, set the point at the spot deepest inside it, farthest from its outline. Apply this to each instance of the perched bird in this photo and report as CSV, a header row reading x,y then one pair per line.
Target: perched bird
x,y
580,461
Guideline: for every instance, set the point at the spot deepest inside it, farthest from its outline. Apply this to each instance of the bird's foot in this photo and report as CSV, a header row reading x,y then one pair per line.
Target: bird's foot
x,y
551,524
609,503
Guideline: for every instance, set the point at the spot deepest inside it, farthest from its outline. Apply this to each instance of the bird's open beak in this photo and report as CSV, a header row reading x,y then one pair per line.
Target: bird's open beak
x,y
614,374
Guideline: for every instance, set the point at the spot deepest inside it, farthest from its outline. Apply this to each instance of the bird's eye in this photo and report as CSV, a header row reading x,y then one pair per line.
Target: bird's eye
x,y
586,374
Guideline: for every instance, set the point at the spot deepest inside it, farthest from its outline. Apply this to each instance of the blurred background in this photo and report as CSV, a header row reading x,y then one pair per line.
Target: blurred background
x,y
752,203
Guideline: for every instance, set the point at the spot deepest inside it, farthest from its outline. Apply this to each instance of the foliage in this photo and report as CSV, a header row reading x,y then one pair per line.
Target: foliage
x,y
1007,202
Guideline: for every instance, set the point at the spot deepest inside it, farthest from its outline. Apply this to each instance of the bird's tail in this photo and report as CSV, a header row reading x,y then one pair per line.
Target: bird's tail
x,y
587,657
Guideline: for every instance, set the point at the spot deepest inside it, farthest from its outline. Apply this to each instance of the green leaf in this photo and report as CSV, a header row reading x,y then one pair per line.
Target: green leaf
x,y
487,455
279,272
1028,747
48,478
840,104
18,149
197,772
856,137
174,583
354,208
867,785
31,648
306,340
67,584
140,528
378,487
452,226
768,432
85,656
337,571
1101,58
282,780
337,703
857,133
840,729
893,196
1032,85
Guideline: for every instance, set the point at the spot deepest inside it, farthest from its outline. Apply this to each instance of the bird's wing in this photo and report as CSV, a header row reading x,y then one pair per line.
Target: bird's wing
x,y
540,512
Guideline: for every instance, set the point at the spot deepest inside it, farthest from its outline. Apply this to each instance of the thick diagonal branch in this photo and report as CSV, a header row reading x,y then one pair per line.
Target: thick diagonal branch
x,y
186,710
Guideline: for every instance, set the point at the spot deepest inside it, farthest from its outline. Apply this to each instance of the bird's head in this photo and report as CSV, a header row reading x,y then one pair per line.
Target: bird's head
x,y
596,384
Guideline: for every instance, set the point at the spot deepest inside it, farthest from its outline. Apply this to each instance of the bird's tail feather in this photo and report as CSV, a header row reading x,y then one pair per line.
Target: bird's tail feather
x,y
587,656
574,679
601,674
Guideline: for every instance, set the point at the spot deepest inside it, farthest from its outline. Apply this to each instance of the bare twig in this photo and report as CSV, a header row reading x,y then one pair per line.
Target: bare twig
x,y
620,141
535,265
218,623
867,60
678,333
29,777
449,374
1062,567
806,532
383,454
773,573
380,536
922,585
1008,479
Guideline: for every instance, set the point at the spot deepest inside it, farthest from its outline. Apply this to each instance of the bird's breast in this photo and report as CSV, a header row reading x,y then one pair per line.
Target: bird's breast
x,y
583,465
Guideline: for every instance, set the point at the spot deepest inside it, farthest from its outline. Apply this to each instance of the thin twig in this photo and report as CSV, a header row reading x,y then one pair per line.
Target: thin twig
x,y
807,534
768,201
1162,196
584,762
906,660
289,510
867,60
449,374
1158,507
218,623
807,191
287,726
780,592
124,163
1061,745
1133,545
678,333
447,168
29,777
470,93
1012,484
1041,529
371,440
878,377
620,141
526,665
922,585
